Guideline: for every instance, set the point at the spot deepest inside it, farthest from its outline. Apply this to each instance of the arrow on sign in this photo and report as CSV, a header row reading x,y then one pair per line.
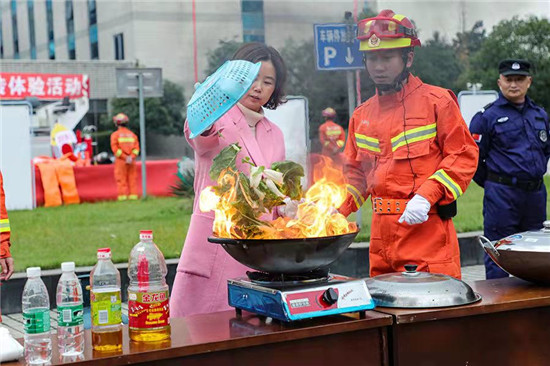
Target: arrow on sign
x,y
349,57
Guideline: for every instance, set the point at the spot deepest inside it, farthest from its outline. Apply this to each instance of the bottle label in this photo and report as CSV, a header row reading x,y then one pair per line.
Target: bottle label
x,y
148,309
106,308
37,321
69,316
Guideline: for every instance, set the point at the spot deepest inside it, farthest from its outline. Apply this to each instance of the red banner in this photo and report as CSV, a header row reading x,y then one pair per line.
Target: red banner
x,y
43,86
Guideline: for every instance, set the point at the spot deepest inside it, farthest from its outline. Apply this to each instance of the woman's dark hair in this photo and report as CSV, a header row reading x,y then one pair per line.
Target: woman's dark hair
x,y
255,52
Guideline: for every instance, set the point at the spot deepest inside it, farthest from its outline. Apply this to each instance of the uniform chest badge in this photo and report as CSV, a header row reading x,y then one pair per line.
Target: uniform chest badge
x,y
543,136
502,119
365,122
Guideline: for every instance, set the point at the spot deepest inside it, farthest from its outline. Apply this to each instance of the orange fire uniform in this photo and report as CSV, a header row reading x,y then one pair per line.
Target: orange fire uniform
x,y
332,138
4,223
124,143
410,142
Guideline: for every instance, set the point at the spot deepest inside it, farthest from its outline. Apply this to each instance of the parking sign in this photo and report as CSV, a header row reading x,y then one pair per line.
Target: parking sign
x,y
336,47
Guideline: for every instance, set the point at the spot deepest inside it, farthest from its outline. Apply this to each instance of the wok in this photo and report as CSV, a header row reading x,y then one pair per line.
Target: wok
x,y
525,255
288,256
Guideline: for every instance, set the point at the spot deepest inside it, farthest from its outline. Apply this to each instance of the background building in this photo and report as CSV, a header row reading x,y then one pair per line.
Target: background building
x,y
160,33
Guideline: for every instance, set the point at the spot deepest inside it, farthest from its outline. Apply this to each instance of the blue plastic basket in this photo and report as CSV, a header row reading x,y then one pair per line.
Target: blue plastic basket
x,y
219,93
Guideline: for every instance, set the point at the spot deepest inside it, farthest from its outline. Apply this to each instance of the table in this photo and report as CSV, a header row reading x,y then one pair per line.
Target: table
x,y
509,326
226,339
97,182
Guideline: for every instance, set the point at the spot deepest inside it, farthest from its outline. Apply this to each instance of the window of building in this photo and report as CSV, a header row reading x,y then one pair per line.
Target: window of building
x,y
32,35
69,21
119,46
92,17
15,33
1,37
253,20
49,21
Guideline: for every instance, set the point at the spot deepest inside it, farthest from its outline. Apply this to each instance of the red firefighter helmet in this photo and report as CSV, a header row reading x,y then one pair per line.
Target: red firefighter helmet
x,y
120,119
328,112
386,31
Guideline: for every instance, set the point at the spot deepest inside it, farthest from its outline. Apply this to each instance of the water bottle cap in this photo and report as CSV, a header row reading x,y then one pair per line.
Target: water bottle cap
x,y
33,272
104,253
146,235
67,266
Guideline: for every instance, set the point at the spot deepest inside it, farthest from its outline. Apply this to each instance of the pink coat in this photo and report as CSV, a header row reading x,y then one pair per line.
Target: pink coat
x,y
200,285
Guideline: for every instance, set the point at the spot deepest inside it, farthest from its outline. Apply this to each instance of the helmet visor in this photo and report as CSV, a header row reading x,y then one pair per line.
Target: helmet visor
x,y
383,28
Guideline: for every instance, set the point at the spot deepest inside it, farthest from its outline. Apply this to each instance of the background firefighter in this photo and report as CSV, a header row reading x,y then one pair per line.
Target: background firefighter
x,y
331,135
410,150
125,146
6,261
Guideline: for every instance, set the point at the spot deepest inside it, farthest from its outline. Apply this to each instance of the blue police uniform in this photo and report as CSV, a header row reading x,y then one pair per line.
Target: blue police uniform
x,y
513,157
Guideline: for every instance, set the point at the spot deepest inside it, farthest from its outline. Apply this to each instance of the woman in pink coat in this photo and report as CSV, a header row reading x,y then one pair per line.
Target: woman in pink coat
x,y
200,285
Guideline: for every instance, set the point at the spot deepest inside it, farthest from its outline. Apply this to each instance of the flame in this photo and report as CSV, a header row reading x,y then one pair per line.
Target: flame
x,y
317,214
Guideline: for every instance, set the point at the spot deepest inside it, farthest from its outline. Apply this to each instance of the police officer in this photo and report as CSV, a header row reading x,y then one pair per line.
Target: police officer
x,y
512,135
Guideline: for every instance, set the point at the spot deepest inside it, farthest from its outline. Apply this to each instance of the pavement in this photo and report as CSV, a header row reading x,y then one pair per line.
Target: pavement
x,y
14,322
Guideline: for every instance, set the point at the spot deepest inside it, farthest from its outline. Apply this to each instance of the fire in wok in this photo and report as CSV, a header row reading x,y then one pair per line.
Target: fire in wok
x,y
289,256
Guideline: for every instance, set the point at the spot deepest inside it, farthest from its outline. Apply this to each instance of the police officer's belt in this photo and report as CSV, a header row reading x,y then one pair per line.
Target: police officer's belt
x,y
526,185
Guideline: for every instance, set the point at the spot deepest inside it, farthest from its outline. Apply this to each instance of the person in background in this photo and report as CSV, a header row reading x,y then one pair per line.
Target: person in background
x,y
200,285
331,135
6,260
410,150
512,135
125,147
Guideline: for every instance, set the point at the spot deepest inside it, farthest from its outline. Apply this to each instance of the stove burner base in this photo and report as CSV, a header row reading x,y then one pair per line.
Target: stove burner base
x,y
335,294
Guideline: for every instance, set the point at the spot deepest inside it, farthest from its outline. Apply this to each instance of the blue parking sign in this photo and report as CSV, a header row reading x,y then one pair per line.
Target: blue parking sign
x,y
336,47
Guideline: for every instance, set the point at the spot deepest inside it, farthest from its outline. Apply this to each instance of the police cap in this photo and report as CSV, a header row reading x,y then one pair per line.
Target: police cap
x,y
514,67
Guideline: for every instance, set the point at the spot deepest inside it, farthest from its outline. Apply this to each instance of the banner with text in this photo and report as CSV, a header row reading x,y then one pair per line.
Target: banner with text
x,y
43,86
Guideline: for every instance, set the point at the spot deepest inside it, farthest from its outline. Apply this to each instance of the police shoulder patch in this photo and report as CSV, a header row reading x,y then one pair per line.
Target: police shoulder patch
x,y
486,107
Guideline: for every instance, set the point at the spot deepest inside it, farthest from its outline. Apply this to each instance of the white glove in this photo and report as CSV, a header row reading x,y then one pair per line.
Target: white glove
x,y
290,209
416,211
129,159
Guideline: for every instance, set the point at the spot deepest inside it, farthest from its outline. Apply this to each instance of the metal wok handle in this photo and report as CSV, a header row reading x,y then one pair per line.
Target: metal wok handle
x,y
488,246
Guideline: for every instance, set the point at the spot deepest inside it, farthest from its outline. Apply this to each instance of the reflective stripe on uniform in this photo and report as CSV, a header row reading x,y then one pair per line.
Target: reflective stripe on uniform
x,y
340,143
135,151
333,132
4,226
365,142
126,139
357,197
413,135
118,153
450,184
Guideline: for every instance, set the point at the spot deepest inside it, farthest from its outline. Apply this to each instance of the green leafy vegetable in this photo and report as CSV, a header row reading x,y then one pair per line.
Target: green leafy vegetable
x,y
257,194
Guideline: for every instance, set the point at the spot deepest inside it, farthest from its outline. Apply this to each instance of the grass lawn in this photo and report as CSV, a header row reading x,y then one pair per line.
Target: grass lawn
x,y
48,236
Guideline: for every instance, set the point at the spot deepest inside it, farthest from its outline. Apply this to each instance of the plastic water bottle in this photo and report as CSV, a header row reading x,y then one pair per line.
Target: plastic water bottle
x,y
148,298
36,314
106,304
70,312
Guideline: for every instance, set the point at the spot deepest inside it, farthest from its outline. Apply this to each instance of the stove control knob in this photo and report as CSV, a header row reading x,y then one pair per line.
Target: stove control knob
x,y
330,296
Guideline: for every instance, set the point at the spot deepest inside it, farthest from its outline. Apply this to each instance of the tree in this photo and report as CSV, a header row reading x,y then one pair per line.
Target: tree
x,y
222,53
468,43
162,115
436,63
515,38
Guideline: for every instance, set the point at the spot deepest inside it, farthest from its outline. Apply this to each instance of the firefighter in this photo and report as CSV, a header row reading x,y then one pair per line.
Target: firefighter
x,y
512,135
331,135
409,149
125,146
6,260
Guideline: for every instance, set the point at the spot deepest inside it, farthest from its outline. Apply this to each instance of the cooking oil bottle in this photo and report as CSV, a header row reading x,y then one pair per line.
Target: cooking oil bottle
x,y
148,300
106,304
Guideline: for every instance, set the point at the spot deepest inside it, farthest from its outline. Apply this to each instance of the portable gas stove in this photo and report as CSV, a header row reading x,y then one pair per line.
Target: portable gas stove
x,y
295,297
